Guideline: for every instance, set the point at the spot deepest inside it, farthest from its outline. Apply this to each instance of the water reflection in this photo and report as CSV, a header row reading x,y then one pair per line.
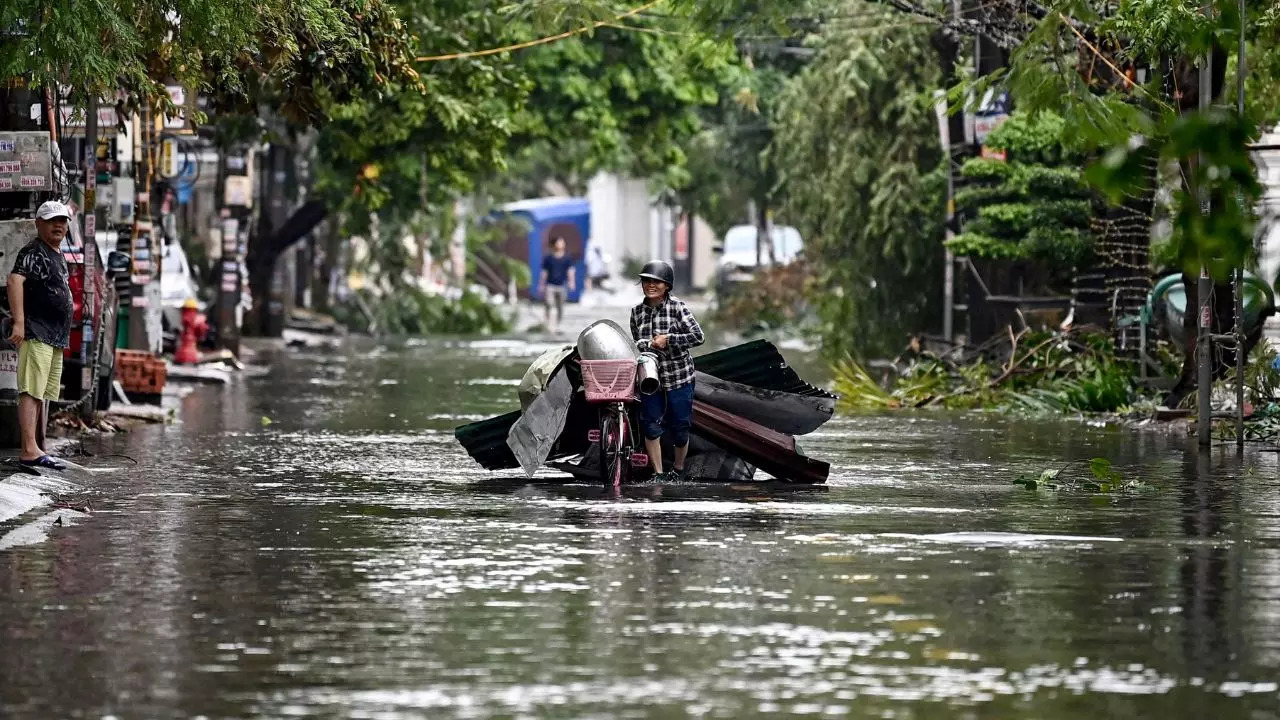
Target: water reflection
x,y
347,559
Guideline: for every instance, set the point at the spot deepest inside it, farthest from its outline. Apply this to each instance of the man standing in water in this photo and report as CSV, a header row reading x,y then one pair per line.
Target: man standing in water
x,y
665,326
557,277
40,300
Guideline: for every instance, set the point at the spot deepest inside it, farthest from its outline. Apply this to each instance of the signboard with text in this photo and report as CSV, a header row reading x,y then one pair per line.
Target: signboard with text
x,y
25,162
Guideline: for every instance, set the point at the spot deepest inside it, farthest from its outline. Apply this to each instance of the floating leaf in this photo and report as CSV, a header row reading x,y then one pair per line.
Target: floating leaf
x,y
912,626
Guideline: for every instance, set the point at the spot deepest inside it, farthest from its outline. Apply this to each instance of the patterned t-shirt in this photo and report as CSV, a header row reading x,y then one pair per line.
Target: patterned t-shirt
x,y
46,294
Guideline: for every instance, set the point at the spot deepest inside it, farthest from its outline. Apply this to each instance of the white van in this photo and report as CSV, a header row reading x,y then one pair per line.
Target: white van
x,y
737,262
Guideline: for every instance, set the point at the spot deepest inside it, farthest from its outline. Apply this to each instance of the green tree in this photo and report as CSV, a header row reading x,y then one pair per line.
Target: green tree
x,y
857,150
1086,61
622,97
618,98
1032,206
308,54
734,170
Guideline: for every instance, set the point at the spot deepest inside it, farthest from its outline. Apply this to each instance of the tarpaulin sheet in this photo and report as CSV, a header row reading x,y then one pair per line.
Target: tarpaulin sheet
x,y
536,377
534,434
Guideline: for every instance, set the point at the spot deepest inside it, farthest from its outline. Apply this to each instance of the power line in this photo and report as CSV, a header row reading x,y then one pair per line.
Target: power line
x,y
539,41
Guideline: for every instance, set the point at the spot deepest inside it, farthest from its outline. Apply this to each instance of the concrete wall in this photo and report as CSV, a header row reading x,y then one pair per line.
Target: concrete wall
x,y
625,223
703,255
621,222
1269,218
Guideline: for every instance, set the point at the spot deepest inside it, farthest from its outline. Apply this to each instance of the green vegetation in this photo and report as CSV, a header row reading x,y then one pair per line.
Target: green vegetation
x,y
1033,205
405,112
301,56
1038,372
776,300
1101,478
411,311
857,152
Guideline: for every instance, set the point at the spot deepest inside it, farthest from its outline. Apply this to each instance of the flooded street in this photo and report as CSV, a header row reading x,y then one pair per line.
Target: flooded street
x,y
315,543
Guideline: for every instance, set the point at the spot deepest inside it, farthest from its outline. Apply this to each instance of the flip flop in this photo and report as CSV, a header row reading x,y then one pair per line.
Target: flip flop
x,y
43,461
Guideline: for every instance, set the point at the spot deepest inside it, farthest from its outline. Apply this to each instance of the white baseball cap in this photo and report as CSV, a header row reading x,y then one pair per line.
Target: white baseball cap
x,y
53,209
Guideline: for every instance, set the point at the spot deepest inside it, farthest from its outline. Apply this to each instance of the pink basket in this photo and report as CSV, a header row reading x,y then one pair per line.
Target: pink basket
x,y
609,380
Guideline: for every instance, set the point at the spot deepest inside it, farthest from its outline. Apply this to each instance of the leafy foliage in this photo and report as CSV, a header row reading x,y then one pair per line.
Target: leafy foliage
x,y
1102,478
1032,207
411,311
620,100
1211,149
304,54
858,158
776,299
613,99
1135,127
1057,373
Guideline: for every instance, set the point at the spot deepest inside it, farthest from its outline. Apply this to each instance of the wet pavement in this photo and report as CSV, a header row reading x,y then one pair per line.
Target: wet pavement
x,y
314,543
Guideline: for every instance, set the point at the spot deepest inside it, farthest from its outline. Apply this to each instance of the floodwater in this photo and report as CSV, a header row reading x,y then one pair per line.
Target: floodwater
x,y
314,543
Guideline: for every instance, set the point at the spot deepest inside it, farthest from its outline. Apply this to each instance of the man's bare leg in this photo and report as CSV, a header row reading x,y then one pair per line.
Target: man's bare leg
x,y
654,448
28,420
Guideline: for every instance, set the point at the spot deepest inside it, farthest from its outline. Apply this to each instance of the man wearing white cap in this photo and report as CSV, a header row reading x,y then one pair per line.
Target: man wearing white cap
x,y
40,299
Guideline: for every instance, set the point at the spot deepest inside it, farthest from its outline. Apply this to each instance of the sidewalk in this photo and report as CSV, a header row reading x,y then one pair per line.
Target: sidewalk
x,y
594,306
22,492
23,495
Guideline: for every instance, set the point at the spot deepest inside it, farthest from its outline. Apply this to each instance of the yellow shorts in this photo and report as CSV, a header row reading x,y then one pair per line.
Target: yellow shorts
x,y
39,370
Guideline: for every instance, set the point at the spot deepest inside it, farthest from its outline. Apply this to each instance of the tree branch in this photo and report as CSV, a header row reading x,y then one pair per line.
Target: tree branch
x,y
959,25
302,221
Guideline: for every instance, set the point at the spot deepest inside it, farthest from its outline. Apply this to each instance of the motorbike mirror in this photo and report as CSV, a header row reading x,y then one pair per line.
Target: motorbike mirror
x,y
117,263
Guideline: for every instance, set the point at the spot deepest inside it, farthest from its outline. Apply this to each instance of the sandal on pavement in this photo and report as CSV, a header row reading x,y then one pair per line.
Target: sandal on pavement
x,y
43,461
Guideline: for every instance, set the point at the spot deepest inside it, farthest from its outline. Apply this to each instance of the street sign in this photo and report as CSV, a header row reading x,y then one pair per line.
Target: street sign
x,y
993,154
238,191
169,167
991,114
177,123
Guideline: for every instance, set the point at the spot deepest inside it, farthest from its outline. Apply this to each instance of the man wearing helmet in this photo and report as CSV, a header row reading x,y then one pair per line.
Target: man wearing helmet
x,y
664,325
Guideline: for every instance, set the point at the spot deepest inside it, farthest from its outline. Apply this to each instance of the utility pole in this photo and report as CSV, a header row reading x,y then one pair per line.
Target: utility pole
x,y
945,135
1204,378
144,311
949,268
89,305
235,189
1239,274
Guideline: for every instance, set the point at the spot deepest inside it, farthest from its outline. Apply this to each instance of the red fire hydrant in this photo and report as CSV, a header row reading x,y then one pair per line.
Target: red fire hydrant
x,y
193,328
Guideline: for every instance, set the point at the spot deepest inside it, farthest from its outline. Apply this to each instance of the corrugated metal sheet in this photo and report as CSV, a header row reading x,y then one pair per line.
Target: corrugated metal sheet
x,y
486,441
757,363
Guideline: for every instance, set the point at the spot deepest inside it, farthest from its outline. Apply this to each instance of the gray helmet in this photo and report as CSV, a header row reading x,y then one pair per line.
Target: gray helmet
x,y
658,270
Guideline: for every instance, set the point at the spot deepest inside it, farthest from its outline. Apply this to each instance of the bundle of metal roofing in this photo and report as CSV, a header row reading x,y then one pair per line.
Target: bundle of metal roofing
x,y
756,365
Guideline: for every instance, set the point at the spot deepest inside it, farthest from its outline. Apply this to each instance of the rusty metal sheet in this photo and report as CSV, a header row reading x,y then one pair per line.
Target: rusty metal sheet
x,y
769,450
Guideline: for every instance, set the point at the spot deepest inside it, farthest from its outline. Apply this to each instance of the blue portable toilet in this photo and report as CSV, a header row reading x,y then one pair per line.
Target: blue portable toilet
x,y
547,218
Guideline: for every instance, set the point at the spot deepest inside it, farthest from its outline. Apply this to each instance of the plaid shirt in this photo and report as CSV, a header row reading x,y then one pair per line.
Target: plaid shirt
x,y
673,319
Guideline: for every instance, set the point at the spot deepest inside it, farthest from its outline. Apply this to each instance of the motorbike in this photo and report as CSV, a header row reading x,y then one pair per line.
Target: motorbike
x,y
613,372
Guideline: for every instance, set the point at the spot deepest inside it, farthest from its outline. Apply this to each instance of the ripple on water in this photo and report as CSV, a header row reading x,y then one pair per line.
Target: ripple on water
x,y
339,562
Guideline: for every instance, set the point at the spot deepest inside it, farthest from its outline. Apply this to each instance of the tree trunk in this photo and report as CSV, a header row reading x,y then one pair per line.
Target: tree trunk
x,y
764,240
326,264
